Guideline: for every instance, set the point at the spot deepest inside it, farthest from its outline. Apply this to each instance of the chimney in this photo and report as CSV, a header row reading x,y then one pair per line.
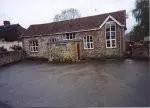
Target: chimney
x,y
6,23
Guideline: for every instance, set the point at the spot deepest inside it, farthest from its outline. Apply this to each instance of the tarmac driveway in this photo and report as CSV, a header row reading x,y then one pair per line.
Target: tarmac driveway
x,y
85,84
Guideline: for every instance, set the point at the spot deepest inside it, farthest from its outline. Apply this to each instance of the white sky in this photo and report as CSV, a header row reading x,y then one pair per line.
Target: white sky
x,y
27,12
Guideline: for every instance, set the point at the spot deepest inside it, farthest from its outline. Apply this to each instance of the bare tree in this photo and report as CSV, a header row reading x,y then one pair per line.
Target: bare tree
x,y
67,14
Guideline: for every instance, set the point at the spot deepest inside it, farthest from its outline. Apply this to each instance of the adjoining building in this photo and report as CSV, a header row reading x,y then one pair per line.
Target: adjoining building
x,y
10,35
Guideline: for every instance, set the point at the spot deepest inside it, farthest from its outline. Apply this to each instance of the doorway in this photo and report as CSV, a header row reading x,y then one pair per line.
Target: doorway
x,y
78,50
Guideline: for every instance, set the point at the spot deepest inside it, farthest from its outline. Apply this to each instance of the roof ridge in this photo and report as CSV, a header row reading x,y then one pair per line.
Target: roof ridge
x,y
76,18
83,23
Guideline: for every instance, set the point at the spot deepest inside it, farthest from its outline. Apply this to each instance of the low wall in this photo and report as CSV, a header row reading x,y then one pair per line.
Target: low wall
x,y
141,51
8,45
10,57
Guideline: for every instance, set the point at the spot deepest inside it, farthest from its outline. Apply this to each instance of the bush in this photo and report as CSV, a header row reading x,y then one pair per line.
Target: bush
x,y
62,58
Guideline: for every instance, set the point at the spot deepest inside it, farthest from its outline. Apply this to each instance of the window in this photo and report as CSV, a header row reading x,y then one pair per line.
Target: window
x,y
110,35
88,42
34,46
70,36
52,40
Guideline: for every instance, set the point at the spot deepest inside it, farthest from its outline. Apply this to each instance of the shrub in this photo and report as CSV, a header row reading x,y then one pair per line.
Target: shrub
x,y
62,58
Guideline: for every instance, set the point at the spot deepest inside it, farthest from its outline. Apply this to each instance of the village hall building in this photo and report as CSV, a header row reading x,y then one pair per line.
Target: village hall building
x,y
86,37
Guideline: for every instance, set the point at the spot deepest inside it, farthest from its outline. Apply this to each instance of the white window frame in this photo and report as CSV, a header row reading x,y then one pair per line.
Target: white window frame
x,y
33,46
110,38
52,39
85,42
71,35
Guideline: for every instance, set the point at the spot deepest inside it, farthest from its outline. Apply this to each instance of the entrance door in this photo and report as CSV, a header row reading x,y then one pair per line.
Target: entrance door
x,y
78,50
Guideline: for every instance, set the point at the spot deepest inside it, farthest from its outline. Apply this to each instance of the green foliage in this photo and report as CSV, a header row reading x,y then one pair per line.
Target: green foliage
x,y
63,58
141,11
141,14
136,34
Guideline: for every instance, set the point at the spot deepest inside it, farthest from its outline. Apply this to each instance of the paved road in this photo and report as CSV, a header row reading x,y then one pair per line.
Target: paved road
x,y
86,84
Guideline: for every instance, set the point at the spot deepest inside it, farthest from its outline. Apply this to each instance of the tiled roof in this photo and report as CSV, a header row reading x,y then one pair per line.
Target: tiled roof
x,y
11,32
83,23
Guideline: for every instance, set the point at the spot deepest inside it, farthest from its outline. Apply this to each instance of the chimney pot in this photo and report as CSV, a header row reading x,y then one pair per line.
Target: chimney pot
x,y
6,23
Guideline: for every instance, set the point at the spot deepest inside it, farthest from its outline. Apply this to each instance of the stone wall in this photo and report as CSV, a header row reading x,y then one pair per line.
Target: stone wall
x,y
63,52
42,53
99,40
10,57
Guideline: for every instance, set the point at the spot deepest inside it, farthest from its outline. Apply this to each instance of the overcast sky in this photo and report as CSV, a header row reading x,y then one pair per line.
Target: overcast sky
x,y
27,12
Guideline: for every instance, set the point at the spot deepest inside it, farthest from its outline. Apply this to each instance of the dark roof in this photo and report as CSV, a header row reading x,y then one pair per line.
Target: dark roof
x,y
11,32
83,23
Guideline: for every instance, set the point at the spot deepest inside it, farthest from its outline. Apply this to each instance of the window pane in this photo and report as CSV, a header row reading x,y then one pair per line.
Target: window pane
x,y
91,39
88,39
53,40
91,45
112,35
113,43
88,45
37,48
107,35
67,36
70,36
107,27
36,43
33,45
113,28
73,35
84,39
108,43
88,42
33,48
